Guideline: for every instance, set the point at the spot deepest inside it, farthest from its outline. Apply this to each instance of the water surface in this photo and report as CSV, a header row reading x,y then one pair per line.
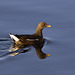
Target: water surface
x,y
22,17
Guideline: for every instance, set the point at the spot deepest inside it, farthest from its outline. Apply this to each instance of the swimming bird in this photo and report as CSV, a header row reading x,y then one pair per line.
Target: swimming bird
x,y
36,40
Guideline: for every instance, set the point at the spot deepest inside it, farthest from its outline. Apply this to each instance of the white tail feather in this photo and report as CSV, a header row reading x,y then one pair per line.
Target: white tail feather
x,y
13,37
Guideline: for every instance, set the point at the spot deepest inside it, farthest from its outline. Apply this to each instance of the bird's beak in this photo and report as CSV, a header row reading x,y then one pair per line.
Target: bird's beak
x,y
48,25
47,54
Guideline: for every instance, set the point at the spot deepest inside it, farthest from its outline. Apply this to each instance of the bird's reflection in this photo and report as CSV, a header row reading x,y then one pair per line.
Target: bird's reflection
x,y
38,48
16,49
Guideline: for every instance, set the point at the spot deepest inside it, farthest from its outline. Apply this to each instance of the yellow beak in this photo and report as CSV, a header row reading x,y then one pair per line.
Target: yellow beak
x,y
47,54
48,25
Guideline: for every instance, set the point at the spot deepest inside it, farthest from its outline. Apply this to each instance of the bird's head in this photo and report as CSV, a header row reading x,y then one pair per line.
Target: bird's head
x,y
42,25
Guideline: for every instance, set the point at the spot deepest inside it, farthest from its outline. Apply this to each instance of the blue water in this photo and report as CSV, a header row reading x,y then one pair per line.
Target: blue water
x,y
22,17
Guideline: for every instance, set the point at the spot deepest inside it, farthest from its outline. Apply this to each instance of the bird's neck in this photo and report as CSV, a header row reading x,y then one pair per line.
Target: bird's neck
x,y
39,32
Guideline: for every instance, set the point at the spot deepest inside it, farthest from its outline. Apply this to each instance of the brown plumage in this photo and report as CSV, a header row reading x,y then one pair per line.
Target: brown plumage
x,y
36,40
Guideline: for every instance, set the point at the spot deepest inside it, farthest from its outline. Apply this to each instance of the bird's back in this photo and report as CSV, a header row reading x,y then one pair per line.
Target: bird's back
x,y
30,39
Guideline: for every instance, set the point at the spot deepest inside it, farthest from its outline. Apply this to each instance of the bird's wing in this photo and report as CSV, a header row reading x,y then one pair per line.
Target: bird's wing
x,y
27,37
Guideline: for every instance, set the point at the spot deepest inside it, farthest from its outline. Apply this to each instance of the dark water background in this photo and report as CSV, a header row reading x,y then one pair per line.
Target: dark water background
x,y
22,17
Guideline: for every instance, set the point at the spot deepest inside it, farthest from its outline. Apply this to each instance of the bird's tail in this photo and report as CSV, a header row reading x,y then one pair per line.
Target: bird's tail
x,y
13,37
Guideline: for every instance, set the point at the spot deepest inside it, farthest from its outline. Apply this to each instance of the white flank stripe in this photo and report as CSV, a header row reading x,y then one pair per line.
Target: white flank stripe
x,y
32,39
